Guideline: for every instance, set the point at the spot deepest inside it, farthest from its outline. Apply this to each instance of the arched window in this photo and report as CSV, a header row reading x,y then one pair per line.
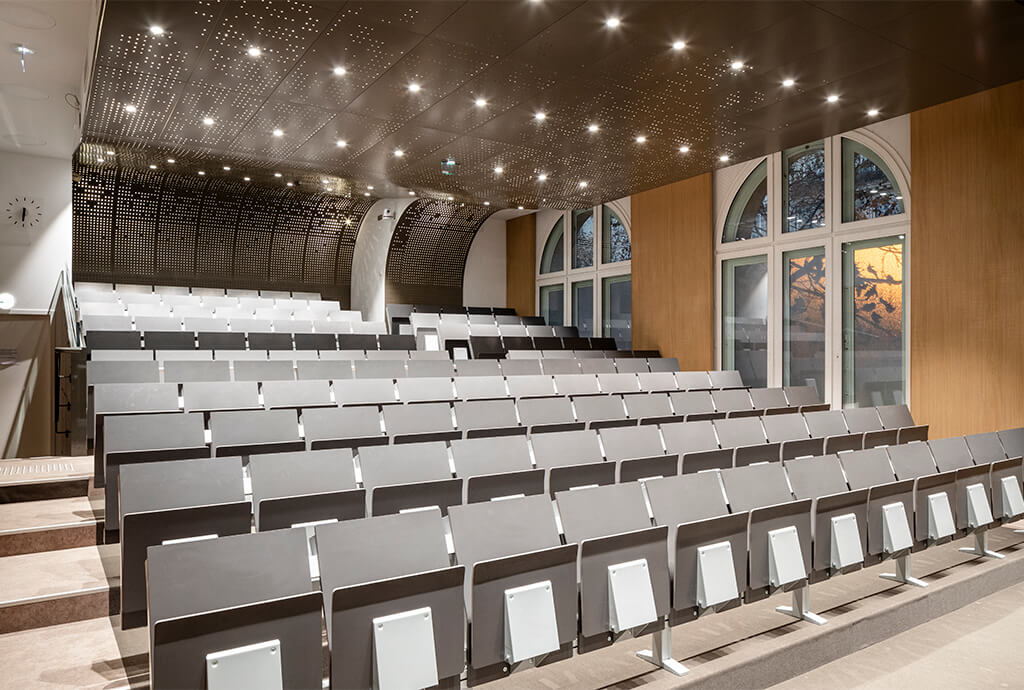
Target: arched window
x,y
748,215
583,273
803,196
615,245
821,300
553,259
869,189
583,238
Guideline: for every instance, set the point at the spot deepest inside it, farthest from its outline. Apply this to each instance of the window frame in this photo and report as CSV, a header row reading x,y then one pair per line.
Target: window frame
x,y
832,236
596,272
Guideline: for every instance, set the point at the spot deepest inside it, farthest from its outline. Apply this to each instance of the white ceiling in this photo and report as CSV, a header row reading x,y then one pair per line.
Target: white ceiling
x,y
35,117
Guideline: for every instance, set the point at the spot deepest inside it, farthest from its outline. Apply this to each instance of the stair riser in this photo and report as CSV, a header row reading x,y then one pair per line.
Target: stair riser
x,y
37,541
45,612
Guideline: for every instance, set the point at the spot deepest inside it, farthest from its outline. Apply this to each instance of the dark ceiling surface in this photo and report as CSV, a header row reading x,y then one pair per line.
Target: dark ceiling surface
x,y
521,57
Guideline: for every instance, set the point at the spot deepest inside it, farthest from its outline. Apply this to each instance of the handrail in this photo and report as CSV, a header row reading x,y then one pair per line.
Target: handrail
x,y
65,293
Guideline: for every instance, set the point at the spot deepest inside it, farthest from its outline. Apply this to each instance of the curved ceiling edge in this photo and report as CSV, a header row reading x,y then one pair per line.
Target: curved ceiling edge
x,y
427,256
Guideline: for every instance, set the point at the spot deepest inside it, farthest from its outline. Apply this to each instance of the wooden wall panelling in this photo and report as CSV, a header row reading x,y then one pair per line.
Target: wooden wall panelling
x,y
520,259
967,254
673,272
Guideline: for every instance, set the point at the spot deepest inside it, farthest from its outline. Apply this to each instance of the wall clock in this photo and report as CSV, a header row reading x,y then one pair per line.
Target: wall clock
x,y
24,212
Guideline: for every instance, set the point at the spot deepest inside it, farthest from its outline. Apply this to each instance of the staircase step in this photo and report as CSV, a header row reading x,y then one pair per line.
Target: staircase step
x,y
46,478
52,524
53,587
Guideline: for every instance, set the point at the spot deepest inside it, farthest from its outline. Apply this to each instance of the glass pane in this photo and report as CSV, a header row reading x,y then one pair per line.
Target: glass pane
x,y
617,310
744,318
583,307
552,304
803,319
869,190
614,238
748,215
803,196
873,322
552,259
583,238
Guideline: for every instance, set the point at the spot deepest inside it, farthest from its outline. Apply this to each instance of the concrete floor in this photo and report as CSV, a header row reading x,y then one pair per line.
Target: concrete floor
x,y
977,646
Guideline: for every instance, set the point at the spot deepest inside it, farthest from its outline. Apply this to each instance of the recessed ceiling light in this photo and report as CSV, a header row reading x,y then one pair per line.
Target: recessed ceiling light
x,y
208,121
832,98
171,161
110,153
480,102
412,193
339,71
277,174
156,30
583,184
593,128
369,186
736,65
341,143
100,160
254,51
348,221
520,208
487,203
202,172
540,116
724,157
684,149
290,184
498,170
227,167
129,108
678,45
278,133
873,112
641,139
366,194
152,166
542,177
612,22
451,198
788,82
247,179
414,87
399,153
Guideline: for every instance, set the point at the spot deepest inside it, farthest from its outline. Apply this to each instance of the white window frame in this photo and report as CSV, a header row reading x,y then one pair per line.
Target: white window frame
x,y
831,236
596,272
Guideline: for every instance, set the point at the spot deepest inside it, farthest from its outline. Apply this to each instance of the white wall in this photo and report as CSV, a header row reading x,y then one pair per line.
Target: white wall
x,y
31,259
370,258
483,283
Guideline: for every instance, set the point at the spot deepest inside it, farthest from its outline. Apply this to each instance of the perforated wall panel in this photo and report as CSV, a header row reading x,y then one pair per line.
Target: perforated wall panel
x,y
427,256
144,226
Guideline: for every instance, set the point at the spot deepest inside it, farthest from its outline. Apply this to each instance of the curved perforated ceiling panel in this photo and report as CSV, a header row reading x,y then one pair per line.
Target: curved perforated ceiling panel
x,y
148,226
427,257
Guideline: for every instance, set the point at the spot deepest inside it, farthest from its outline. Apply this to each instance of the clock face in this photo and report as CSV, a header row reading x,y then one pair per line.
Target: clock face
x,y
24,212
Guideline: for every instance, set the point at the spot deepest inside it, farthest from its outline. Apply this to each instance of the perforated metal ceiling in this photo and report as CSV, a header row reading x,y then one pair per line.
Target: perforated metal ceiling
x,y
428,251
161,227
522,57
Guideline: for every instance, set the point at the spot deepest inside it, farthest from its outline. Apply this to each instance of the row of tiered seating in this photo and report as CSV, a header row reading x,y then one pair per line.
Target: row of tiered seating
x,y
287,365
171,309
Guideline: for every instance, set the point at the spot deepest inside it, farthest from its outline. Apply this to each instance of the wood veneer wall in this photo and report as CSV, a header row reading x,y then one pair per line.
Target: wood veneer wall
x,y
967,263
673,272
520,257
